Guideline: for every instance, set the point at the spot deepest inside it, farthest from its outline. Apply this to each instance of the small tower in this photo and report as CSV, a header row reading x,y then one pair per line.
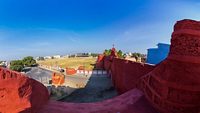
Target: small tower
x,y
113,51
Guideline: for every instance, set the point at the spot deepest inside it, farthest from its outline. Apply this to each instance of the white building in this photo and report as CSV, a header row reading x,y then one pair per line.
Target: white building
x,y
4,63
57,56
66,56
130,54
47,57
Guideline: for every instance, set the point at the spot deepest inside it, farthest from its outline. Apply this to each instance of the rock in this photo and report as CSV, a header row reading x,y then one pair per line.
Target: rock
x,y
20,94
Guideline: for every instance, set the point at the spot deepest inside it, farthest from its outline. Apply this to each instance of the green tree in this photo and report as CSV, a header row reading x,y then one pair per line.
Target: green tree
x,y
137,55
94,54
17,65
120,54
107,52
29,61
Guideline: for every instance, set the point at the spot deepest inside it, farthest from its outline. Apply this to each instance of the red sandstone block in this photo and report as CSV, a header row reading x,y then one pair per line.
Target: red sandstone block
x,y
8,74
2,73
20,94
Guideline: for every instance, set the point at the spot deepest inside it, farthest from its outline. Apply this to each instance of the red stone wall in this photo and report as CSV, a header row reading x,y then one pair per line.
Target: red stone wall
x,y
107,63
100,62
126,74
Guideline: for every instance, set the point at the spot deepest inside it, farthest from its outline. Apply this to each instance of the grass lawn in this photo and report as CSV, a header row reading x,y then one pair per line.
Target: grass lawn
x,y
70,62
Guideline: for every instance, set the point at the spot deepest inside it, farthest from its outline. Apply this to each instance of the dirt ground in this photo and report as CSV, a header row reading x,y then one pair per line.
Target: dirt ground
x,y
97,89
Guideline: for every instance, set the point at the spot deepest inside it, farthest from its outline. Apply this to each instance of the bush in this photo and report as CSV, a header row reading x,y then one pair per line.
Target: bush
x,y
29,61
17,65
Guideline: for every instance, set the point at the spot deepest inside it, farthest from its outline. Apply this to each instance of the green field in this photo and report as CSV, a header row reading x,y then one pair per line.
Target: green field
x,y
88,62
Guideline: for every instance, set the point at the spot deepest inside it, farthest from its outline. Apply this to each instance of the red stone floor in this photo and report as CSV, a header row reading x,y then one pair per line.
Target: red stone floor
x,y
132,101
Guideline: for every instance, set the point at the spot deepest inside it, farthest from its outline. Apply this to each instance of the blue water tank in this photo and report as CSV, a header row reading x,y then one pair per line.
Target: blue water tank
x,y
156,55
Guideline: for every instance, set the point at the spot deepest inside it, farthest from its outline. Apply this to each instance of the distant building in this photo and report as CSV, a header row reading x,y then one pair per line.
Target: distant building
x,y
156,55
47,57
57,56
39,58
66,56
130,54
3,64
82,55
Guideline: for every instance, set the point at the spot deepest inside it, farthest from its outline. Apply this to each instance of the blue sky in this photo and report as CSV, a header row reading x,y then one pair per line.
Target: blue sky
x,y
49,27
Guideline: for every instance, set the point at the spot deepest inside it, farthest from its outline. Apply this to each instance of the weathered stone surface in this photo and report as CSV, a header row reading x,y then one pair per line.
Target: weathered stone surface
x,y
174,85
20,94
131,102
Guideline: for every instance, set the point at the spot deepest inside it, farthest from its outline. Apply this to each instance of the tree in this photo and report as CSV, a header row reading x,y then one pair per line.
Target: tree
x,y
137,55
29,61
107,52
40,58
17,65
94,54
120,54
